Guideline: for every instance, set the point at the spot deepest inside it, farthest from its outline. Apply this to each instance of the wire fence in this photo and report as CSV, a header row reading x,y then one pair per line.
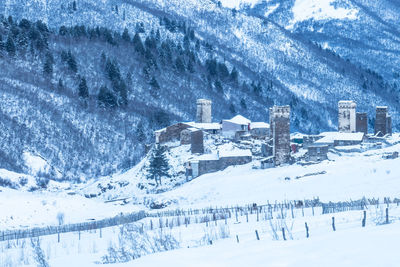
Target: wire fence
x,y
178,217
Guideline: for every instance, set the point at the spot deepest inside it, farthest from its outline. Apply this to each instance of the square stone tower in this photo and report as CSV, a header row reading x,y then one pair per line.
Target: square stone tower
x,y
203,114
361,123
382,121
280,132
347,116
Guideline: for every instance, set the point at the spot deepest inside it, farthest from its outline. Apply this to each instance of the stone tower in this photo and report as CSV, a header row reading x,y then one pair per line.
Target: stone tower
x,y
203,111
361,123
280,131
347,116
383,122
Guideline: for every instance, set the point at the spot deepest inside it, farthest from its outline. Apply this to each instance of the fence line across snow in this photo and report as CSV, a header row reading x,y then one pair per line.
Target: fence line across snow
x,y
207,214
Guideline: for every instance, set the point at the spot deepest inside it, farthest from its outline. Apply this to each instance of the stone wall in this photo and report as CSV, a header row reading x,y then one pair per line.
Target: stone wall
x,y
317,153
171,133
197,142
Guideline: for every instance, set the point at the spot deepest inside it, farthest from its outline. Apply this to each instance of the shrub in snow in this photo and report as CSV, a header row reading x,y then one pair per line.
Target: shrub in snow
x,y
8,183
133,243
42,182
38,253
60,218
23,181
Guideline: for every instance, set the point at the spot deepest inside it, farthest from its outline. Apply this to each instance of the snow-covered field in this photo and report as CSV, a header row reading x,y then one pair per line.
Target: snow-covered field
x,y
345,176
349,245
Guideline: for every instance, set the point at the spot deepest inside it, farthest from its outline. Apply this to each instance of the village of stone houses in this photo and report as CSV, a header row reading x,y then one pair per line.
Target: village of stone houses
x,y
206,146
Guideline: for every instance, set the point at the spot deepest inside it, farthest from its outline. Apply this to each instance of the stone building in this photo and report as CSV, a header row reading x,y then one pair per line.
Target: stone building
x,y
361,123
317,152
309,140
171,133
333,139
383,122
203,114
197,141
209,163
280,132
259,130
186,136
235,127
347,116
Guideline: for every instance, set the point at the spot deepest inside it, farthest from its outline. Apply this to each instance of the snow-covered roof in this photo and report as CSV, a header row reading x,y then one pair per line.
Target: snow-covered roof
x,y
235,153
258,125
330,137
207,126
239,119
206,157
297,135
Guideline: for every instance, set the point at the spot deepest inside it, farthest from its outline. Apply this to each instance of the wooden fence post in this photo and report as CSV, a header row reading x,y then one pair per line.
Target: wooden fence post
x,y
58,237
283,233
237,238
387,215
364,218
258,237
333,224
291,208
101,234
307,233
257,216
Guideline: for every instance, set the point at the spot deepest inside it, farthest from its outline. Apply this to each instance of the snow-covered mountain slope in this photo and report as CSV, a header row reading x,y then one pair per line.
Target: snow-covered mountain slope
x,y
309,60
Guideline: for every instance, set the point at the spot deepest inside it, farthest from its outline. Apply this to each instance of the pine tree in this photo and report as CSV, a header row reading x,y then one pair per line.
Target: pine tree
x,y
243,104
223,71
234,75
159,165
155,87
60,85
218,86
179,65
138,44
232,109
73,66
106,98
10,45
83,89
125,35
48,64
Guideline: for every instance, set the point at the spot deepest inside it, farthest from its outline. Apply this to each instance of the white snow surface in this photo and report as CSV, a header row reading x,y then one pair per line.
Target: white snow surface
x,y
320,10
35,163
350,247
238,3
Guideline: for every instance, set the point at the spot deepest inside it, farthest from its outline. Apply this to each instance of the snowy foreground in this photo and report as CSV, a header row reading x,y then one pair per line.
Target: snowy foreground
x,y
346,176
349,245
